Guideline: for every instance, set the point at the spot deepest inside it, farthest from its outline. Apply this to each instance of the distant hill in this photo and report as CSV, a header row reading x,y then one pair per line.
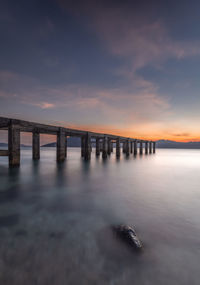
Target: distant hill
x,y
6,145
174,144
71,142
76,142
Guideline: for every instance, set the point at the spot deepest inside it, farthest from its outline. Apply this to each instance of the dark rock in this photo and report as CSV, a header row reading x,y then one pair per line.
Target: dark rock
x,y
21,233
56,235
9,221
129,235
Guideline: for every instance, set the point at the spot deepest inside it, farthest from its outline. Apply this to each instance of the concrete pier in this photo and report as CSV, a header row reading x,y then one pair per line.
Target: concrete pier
x,y
150,147
109,146
141,147
124,147
154,147
104,142
36,145
131,146
135,148
146,147
61,145
118,147
83,146
127,147
14,144
105,147
97,146
87,152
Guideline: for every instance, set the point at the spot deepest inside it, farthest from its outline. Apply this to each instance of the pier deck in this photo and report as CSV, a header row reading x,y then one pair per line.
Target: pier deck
x,y
104,142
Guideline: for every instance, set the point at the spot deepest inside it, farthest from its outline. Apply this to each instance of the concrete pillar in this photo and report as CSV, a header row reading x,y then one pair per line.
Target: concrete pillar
x,y
87,152
36,145
146,147
135,147
141,147
105,147
154,147
117,147
124,147
65,146
14,145
97,146
131,145
150,147
127,147
61,145
109,146
83,146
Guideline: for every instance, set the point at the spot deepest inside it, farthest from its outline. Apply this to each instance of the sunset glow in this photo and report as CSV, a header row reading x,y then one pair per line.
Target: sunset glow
x,y
120,68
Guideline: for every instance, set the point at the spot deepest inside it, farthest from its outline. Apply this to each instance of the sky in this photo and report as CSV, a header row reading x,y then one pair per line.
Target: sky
x,y
124,67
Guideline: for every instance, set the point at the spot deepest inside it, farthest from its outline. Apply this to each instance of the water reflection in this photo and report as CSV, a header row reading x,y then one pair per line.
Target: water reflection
x,y
55,219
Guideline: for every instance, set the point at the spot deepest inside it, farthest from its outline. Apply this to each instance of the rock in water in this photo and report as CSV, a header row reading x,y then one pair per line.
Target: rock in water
x,y
128,234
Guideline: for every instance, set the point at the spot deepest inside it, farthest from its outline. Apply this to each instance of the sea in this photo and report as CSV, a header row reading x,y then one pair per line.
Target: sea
x,y
56,219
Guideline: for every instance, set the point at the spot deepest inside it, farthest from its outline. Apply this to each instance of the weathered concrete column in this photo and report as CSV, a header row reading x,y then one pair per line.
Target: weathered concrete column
x,y
117,147
61,145
82,146
141,147
124,147
109,146
105,147
97,146
146,147
135,148
65,146
131,144
127,147
36,145
87,152
14,145
150,147
154,147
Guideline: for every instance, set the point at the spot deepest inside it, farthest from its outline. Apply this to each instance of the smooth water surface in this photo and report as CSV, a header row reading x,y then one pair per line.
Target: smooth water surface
x,y
55,219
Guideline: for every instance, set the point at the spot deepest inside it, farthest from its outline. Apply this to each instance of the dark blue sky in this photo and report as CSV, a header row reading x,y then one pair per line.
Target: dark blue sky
x,y
128,67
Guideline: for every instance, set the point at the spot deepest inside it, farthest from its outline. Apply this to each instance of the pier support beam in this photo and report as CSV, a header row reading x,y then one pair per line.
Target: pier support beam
x,y
61,145
14,145
146,147
36,145
87,152
127,147
124,147
141,147
135,148
150,147
82,146
117,147
105,147
154,147
109,146
97,146
131,145
65,146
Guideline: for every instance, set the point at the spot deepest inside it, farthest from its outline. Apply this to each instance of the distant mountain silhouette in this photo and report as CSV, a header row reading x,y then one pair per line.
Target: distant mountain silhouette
x,y
6,145
76,142
174,144
71,142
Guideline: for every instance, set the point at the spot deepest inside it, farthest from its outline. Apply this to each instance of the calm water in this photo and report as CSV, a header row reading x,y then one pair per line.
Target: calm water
x,y
55,219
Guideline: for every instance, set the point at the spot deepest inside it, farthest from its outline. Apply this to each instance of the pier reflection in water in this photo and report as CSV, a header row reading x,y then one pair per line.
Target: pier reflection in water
x,y
55,219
